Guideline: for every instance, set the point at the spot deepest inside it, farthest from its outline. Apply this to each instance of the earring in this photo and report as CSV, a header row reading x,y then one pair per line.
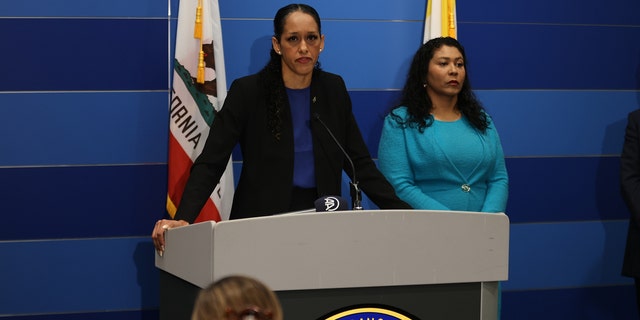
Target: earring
x,y
424,85
320,49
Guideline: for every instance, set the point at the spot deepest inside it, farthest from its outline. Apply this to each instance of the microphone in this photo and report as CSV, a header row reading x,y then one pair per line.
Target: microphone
x,y
330,204
354,182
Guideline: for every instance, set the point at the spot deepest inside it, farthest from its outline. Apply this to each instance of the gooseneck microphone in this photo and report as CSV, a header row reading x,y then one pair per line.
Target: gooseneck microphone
x,y
354,182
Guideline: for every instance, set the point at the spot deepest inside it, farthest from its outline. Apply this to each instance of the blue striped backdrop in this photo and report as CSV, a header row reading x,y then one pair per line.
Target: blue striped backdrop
x,y
84,92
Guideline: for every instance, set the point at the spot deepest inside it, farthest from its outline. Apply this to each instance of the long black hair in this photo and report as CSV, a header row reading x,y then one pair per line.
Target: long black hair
x,y
417,101
271,74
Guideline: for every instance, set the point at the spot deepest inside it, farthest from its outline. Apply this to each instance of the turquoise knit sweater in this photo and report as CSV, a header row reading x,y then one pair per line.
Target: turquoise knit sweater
x,y
449,166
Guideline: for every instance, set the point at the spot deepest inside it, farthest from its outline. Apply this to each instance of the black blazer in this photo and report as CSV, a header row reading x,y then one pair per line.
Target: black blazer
x,y
266,180
630,188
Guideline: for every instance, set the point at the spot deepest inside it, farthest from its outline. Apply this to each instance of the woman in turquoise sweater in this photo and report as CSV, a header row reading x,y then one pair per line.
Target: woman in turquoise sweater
x,y
439,148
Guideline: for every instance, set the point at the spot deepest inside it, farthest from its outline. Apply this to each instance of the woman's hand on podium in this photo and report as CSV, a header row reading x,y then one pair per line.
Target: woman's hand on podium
x,y
159,229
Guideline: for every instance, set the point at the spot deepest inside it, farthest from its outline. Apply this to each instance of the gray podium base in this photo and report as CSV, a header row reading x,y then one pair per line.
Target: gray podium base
x,y
440,301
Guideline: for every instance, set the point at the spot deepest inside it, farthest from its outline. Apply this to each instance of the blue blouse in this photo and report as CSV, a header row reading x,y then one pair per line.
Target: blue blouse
x,y
448,166
303,162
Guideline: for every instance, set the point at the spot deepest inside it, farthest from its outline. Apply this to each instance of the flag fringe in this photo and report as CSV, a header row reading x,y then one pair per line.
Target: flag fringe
x,y
200,77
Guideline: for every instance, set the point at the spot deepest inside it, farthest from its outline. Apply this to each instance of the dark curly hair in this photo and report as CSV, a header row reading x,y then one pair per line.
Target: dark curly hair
x,y
271,74
417,101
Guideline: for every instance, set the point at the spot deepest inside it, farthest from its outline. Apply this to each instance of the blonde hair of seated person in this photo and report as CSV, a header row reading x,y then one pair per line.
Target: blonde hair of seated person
x,y
237,298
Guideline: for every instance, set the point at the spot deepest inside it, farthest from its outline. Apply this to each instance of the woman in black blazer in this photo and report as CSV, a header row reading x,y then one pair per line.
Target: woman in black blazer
x,y
278,116
630,187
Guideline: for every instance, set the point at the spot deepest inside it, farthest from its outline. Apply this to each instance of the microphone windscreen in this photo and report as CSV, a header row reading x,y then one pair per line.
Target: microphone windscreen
x,y
330,204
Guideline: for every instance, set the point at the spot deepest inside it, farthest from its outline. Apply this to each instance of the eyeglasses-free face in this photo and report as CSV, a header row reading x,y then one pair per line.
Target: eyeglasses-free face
x,y
299,46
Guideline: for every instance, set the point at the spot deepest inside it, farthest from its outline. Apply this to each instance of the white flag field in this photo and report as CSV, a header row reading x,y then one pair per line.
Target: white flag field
x,y
440,20
199,89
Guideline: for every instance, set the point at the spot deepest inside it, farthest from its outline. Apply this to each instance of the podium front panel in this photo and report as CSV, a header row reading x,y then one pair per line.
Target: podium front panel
x,y
364,248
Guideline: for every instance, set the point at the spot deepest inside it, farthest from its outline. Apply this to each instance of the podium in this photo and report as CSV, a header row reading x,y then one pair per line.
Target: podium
x,y
423,263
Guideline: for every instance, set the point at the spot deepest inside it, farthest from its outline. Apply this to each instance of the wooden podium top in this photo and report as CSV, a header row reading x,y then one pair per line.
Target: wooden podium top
x,y
344,249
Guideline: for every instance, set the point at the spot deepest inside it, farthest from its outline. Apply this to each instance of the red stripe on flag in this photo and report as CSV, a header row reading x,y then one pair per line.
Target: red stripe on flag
x,y
179,165
209,212
178,173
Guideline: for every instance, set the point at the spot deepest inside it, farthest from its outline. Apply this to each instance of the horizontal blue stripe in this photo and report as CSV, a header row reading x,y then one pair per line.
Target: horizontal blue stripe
x,y
365,64
530,123
540,190
84,128
354,9
131,127
566,123
372,54
93,275
552,190
564,189
138,48
566,255
82,202
108,315
549,123
85,8
598,303
346,53
247,53
369,109
544,11
525,56
615,302
622,12
84,54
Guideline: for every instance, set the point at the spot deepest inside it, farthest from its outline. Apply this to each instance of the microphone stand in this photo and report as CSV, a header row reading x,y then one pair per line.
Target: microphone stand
x,y
356,202
357,205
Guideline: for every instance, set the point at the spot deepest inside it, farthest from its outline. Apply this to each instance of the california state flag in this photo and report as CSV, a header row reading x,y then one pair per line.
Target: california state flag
x,y
440,19
199,89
